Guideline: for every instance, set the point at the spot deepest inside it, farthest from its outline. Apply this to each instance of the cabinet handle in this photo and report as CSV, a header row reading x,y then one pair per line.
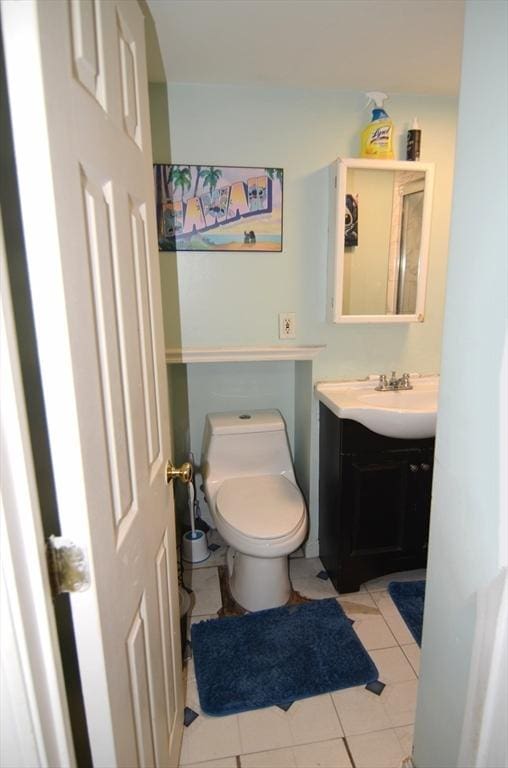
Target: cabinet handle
x,y
414,467
425,467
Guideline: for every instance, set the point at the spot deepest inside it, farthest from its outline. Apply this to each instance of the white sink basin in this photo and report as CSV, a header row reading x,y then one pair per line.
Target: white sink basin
x,y
406,414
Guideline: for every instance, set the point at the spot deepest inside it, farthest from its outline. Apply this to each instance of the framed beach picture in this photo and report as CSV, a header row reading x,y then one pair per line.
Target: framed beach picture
x,y
218,208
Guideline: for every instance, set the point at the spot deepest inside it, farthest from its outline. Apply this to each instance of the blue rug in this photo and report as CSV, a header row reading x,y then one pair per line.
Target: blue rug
x,y
409,596
277,656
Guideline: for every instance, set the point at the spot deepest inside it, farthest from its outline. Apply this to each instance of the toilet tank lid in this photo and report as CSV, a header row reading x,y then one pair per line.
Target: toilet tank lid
x,y
237,422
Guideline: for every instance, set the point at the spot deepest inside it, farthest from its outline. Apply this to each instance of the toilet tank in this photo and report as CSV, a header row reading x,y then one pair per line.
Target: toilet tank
x,y
245,443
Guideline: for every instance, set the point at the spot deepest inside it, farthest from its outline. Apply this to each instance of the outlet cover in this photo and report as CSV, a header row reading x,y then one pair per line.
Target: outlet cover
x,y
287,325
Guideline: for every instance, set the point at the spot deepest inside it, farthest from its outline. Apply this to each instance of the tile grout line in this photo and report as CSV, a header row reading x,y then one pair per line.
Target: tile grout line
x,y
353,764
295,746
417,673
338,716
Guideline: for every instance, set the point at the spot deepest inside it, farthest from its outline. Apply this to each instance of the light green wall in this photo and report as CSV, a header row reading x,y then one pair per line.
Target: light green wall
x,y
303,443
234,298
233,387
161,150
468,520
159,121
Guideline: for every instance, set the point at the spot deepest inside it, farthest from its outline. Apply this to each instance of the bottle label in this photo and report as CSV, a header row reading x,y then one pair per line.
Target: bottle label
x,y
376,140
380,135
413,145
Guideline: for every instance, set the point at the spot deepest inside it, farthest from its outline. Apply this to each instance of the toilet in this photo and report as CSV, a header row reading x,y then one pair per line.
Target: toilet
x,y
255,503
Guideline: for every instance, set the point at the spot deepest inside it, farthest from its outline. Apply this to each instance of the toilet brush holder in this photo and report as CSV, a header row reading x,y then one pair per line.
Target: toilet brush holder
x,y
195,547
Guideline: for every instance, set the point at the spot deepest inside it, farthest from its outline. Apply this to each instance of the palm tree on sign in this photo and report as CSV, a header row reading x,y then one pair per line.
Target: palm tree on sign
x,y
210,176
275,173
180,176
199,173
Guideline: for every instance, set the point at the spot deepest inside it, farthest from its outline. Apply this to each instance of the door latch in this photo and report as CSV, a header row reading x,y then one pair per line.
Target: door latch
x,y
68,566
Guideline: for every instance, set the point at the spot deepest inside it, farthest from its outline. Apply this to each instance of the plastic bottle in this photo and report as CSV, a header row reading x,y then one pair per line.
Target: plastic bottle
x,y
377,136
414,136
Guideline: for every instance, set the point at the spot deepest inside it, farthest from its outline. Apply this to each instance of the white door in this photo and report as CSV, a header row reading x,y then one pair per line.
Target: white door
x,y
34,722
78,95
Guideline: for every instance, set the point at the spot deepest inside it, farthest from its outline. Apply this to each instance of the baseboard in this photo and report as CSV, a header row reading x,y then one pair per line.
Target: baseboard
x,y
311,548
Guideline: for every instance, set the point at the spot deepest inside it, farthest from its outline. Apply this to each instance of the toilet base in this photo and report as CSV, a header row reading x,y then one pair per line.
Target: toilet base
x,y
258,583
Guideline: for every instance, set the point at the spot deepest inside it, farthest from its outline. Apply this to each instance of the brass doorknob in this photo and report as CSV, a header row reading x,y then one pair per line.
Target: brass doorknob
x,y
183,473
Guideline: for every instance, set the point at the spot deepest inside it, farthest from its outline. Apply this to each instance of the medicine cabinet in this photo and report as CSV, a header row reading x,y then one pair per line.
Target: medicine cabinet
x,y
379,228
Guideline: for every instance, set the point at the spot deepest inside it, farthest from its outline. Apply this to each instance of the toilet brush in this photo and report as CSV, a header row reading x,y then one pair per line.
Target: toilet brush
x,y
199,523
194,543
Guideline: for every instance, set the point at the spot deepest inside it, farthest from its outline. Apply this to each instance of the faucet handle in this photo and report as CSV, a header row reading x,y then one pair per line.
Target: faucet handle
x,y
383,384
406,384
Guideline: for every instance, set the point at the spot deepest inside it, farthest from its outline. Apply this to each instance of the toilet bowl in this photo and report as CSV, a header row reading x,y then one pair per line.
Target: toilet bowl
x,y
255,502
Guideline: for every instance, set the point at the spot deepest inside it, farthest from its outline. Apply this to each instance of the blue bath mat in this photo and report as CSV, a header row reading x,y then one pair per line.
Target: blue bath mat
x,y
409,597
277,656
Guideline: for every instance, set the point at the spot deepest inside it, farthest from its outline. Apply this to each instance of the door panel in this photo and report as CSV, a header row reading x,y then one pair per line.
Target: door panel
x,y
163,561
142,687
148,353
104,268
129,77
87,68
78,89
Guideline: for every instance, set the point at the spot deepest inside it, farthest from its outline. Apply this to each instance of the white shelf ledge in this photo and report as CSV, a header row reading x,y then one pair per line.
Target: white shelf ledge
x,y
241,354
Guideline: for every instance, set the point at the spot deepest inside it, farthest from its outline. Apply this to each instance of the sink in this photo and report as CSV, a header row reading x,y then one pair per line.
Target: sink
x,y
406,414
408,400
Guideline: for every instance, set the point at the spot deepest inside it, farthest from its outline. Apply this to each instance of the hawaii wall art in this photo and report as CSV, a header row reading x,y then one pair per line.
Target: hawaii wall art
x,y
218,208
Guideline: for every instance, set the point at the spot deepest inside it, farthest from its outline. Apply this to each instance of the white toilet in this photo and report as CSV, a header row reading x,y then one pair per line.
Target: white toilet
x,y
255,502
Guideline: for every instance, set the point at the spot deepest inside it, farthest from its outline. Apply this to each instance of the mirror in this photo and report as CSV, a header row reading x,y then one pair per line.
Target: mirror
x,y
379,237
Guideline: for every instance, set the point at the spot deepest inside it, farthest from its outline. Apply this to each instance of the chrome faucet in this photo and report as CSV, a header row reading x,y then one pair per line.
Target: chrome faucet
x,y
393,383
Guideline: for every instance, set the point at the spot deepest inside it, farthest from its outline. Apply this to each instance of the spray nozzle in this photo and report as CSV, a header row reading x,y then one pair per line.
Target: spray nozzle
x,y
378,97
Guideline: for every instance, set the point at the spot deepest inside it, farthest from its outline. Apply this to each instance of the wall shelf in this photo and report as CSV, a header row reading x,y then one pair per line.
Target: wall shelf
x,y
241,354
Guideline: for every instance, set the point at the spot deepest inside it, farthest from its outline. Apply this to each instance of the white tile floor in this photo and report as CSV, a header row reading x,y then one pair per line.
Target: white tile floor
x,y
352,728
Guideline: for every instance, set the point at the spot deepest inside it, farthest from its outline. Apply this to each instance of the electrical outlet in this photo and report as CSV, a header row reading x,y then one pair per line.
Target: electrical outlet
x,y
287,325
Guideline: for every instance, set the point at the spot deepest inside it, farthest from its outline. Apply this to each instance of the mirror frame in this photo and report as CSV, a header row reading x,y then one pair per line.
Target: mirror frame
x,y
336,232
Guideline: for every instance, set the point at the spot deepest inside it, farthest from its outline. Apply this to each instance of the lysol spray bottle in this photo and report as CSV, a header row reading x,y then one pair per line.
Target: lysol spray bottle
x,y
377,136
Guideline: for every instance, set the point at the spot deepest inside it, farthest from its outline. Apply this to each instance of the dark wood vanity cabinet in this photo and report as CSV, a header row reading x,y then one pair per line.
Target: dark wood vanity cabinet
x,y
374,501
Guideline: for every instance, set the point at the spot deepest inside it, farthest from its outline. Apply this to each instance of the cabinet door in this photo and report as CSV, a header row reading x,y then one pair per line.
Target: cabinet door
x,y
376,496
378,508
374,502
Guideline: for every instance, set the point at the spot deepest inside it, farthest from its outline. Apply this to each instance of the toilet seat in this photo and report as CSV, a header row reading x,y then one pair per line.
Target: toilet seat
x,y
262,507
